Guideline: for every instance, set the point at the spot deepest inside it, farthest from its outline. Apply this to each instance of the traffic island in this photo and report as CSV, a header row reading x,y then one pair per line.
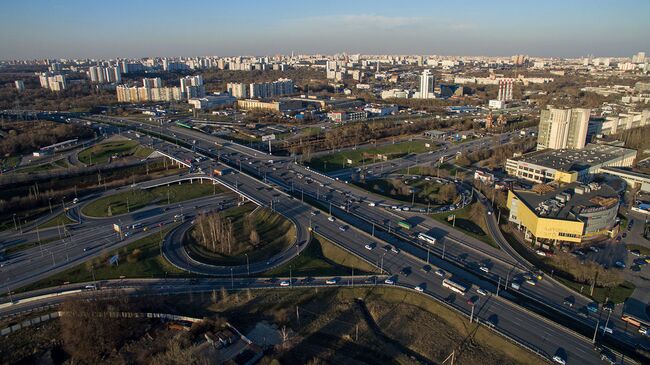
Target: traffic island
x,y
238,236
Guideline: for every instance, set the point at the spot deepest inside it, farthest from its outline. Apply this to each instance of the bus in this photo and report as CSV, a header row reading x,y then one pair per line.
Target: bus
x,y
426,238
404,224
454,286
634,321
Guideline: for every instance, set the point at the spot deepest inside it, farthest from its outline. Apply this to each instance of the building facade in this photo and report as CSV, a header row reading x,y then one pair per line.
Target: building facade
x,y
563,128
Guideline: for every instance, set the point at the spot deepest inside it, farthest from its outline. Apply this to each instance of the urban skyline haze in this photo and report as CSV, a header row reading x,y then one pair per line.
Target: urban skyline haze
x,y
77,29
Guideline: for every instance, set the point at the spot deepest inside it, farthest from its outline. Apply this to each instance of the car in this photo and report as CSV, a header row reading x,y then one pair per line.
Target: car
x,y
425,269
343,228
331,219
636,252
620,264
370,246
531,282
559,360
484,268
405,271
594,249
419,289
314,212
608,357
331,281
643,330
624,235
540,253
394,250
389,281
515,285
481,291
592,307
284,283
86,249
371,204
440,272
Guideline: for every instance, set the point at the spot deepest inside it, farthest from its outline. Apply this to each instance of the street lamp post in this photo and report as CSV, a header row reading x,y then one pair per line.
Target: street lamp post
x,y
248,268
232,280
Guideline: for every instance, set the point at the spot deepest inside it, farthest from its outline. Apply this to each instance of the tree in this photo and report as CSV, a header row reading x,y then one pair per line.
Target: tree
x,y
254,237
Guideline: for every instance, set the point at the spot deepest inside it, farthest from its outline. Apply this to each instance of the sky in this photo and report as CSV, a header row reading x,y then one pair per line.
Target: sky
x,y
143,28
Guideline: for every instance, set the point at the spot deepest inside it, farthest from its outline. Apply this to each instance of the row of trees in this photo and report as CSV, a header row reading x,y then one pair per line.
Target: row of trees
x,y
497,156
27,136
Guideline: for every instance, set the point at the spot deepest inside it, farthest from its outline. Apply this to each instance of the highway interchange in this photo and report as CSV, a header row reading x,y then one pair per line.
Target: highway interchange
x,y
297,193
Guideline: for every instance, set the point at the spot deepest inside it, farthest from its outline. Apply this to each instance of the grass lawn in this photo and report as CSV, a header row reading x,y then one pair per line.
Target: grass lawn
x,y
139,198
361,325
276,233
473,226
337,161
10,162
59,220
102,152
7,220
323,258
139,259
426,192
27,245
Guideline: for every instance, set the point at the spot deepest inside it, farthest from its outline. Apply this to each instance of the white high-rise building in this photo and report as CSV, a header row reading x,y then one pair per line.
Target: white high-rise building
x,y
52,81
427,85
20,85
563,128
192,87
331,67
152,82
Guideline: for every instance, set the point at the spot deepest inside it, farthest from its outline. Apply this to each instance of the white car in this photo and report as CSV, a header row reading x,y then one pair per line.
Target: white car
x,y
343,228
330,281
606,329
440,272
484,268
389,281
558,360
481,291
419,289
371,204
531,282
284,283
331,219
369,247
540,252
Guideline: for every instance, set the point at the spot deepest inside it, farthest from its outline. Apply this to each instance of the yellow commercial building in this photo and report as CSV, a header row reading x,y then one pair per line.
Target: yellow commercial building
x,y
564,213
543,228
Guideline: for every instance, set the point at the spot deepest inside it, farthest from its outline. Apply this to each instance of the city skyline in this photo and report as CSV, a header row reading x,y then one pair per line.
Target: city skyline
x,y
39,29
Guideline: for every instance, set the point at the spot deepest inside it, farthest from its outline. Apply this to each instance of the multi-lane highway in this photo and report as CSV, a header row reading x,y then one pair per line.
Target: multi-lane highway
x,y
462,255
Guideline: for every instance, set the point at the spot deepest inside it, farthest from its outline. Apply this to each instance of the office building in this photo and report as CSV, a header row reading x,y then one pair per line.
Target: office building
x,y
20,85
569,165
563,128
427,84
347,116
551,214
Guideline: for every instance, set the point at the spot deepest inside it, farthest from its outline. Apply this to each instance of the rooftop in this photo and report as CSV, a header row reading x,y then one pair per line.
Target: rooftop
x,y
576,160
568,201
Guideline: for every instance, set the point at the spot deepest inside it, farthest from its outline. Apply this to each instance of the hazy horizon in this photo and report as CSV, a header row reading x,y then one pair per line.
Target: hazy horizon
x,y
121,29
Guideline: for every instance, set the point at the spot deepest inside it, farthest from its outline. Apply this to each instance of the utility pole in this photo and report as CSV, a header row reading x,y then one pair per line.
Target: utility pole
x,y
498,286
471,316
593,340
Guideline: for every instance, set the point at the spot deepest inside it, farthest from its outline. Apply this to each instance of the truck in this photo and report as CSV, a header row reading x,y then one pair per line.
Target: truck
x,y
220,171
